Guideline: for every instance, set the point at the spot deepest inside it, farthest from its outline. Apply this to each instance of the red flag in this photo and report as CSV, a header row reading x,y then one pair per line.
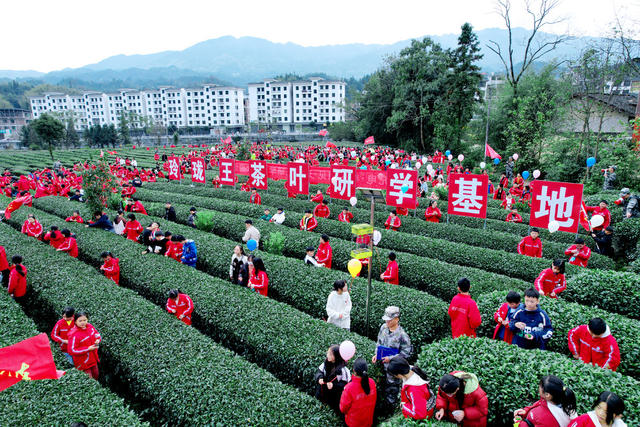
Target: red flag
x,y
323,132
488,151
15,204
369,140
30,359
330,144
584,217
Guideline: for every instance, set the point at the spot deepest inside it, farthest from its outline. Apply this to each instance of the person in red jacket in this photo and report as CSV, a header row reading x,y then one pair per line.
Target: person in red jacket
x,y
432,214
514,216
607,411
318,198
392,274
17,278
133,228
551,281
579,253
418,402
308,222
69,245
531,245
54,237
136,207
111,267
174,248
259,281
461,400
499,194
325,253
75,217
508,202
83,345
345,215
60,331
393,222
556,407
180,305
504,315
255,198
593,343
5,271
463,311
358,400
32,227
603,211
322,210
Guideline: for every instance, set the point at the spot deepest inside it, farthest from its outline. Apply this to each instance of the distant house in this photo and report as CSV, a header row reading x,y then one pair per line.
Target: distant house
x,y
600,113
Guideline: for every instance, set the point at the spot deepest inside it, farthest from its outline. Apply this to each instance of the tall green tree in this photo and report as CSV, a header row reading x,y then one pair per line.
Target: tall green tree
x,y
374,107
123,129
50,129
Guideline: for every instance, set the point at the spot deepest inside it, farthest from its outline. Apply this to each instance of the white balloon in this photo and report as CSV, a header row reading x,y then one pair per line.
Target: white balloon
x,y
429,167
554,226
432,172
483,165
597,220
450,156
377,236
424,159
461,157
334,180
515,156
353,201
300,160
418,165
536,174
394,165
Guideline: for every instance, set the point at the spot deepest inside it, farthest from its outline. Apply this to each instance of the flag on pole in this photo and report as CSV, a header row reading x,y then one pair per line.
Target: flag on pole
x,y
323,132
331,145
584,218
488,151
15,204
369,140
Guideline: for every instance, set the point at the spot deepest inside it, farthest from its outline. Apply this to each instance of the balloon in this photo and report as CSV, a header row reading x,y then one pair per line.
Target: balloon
x,y
363,167
387,162
424,159
450,156
447,153
418,165
554,226
525,174
377,236
496,161
404,188
353,201
461,157
515,156
429,167
252,245
347,350
591,161
597,221
483,165
536,174
334,180
354,266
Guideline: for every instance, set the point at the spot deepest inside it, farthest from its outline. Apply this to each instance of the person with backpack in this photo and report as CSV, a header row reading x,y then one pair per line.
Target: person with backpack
x,y
358,400
461,400
556,407
418,401
331,378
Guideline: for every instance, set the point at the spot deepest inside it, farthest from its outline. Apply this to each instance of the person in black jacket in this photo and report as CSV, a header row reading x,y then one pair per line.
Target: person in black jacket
x,y
603,239
331,378
101,221
169,212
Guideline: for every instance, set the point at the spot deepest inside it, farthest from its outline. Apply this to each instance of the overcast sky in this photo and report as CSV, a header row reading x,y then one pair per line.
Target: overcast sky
x,y
47,35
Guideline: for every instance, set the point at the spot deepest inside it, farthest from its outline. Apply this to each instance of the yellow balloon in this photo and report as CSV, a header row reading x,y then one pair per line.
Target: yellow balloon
x,y
354,267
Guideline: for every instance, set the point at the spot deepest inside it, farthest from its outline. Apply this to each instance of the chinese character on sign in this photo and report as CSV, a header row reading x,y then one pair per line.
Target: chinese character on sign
x,y
298,178
258,174
468,195
174,168
343,182
197,170
401,188
227,172
556,201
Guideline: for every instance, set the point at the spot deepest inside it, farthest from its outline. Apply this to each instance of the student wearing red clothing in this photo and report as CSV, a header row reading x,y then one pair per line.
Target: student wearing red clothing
x,y
531,245
499,194
255,198
504,315
69,245
508,202
318,198
259,281
393,222
111,267
60,331
556,407
461,400
75,217
17,278
579,253
345,215
138,207
308,222
402,211
54,237
607,411
174,248
463,311
245,186
514,216
358,400
83,345
432,213
325,253
322,210
551,281
4,267
133,228
32,227
594,344
392,273
418,402
181,305
603,211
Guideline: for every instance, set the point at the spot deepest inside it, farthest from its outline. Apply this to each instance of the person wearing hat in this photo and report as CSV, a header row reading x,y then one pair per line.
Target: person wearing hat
x,y
609,178
604,240
392,339
279,217
629,204
579,253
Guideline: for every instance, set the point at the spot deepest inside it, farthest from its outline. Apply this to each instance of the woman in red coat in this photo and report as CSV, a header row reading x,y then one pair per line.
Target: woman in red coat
x,y
69,245
111,267
133,228
17,277
83,342
358,400
4,267
461,400
181,305
32,227
259,281
607,411
556,407
418,401
433,214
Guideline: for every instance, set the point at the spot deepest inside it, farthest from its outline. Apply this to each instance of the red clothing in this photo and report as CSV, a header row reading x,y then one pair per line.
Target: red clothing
x,y
111,268
475,404
17,282
514,217
502,312
392,223
133,229
321,211
548,282
33,229
506,204
402,211
539,414
138,208
357,406
432,214
364,239
582,259
325,254
61,332
530,247
69,246
174,250
415,397
391,274
183,307
308,224
604,213
600,351
499,195
345,216
79,342
255,199
318,198
465,316
4,265
587,420
260,282
77,219
55,238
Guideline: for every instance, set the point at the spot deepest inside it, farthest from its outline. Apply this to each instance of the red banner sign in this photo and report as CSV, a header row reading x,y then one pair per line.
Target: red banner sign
x,y
27,360
227,172
276,171
468,195
174,168
242,167
319,175
371,179
401,188
343,182
297,178
258,174
197,170
556,201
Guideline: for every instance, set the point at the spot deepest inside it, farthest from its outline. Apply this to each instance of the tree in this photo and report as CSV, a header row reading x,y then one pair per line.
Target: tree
x,y
375,106
70,134
100,186
30,138
50,129
123,129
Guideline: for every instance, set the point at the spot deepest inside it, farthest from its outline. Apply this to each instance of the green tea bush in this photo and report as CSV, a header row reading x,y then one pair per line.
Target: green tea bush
x,y
613,291
274,243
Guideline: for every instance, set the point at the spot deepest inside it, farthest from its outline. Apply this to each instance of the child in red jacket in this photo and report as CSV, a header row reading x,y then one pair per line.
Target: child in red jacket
x,y
392,274
4,267
393,222
531,245
17,277
358,400
418,401
579,253
607,410
556,407
504,315
60,332
132,229
181,305
69,245
463,311
551,281
83,345
593,343
461,400
54,237
111,267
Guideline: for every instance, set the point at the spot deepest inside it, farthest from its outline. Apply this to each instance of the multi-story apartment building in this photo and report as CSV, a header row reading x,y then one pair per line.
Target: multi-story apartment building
x,y
11,122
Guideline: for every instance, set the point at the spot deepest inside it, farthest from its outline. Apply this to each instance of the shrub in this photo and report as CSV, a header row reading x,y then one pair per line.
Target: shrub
x,y
510,375
204,221
400,420
274,244
617,292
626,238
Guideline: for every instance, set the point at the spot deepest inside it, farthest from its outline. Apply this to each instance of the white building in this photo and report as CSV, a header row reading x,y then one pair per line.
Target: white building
x,y
300,102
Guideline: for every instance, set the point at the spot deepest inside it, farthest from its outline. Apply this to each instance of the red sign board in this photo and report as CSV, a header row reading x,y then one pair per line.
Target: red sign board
x,y
276,171
343,182
401,188
174,168
242,167
197,170
227,172
258,174
319,175
556,201
468,195
297,178
371,179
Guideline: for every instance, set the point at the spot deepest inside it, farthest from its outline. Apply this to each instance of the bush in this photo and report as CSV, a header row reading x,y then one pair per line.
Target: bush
x,y
204,221
617,292
626,238
566,316
175,370
274,244
510,375
400,420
